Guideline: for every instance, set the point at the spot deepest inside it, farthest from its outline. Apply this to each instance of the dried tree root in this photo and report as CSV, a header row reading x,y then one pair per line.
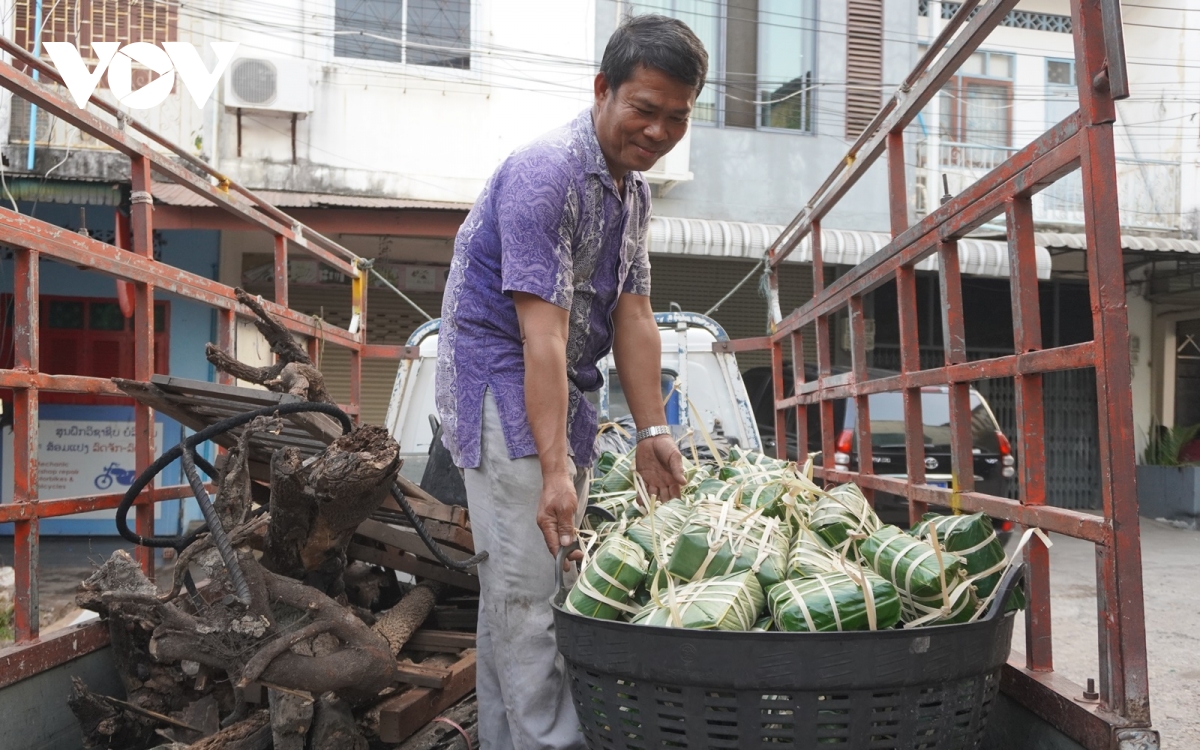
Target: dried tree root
x,y
294,372
104,724
399,623
251,733
317,503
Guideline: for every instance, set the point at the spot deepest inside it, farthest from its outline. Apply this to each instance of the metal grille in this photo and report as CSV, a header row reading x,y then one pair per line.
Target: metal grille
x,y
1017,19
83,22
419,32
864,63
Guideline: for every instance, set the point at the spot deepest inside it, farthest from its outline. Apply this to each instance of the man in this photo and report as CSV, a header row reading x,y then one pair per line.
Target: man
x,y
550,271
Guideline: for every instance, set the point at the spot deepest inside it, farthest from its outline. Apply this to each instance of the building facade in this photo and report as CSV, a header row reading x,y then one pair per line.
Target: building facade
x,y
377,122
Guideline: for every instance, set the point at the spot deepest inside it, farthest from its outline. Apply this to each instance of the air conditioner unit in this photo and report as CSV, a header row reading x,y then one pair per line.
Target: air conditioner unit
x,y
269,84
674,167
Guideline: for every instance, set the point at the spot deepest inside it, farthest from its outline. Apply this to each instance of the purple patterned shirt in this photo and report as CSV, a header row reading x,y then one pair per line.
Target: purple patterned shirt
x,y
549,222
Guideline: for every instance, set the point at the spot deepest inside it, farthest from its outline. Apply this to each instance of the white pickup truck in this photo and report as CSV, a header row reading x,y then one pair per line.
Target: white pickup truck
x,y
702,387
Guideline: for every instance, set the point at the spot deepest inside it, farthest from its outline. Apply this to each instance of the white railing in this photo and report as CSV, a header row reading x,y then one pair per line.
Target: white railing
x,y
1148,190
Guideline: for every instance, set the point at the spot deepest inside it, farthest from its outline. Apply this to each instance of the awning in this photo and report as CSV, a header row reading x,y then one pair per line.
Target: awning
x,y
178,195
848,247
1078,241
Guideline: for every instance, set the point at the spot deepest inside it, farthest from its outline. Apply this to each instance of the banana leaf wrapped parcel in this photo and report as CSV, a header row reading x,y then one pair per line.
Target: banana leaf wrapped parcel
x,y
609,578
810,555
842,515
669,518
834,601
731,602
720,538
619,474
931,581
973,538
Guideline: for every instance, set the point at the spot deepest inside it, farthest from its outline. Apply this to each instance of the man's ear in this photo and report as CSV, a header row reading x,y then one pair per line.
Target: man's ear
x,y
601,87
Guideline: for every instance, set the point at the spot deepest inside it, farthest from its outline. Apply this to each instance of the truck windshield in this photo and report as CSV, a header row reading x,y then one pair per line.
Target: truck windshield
x,y
618,407
887,421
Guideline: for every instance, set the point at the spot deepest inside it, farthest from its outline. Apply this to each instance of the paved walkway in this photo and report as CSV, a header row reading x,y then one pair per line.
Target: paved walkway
x,y
1171,567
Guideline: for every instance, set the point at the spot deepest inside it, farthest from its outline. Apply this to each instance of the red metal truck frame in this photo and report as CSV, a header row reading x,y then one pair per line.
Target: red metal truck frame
x,y
1083,141
33,240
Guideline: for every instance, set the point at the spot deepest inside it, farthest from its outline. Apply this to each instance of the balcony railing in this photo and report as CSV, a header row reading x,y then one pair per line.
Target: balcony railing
x,y
1148,190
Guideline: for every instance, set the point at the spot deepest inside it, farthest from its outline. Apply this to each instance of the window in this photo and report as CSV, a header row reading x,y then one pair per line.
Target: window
x,y
419,32
761,59
85,336
976,105
1062,98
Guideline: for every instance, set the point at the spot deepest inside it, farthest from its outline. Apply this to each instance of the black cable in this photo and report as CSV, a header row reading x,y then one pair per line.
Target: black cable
x,y
186,452
208,433
216,528
433,546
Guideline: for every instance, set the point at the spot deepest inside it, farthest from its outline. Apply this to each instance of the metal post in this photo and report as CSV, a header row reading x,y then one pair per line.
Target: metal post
x,y
281,270
33,109
858,363
1031,423
141,205
26,305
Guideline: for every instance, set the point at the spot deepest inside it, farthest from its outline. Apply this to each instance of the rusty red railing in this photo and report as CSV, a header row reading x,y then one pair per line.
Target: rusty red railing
x,y
1083,141
33,240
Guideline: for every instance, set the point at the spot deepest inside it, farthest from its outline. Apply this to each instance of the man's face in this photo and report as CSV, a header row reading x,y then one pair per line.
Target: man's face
x,y
642,120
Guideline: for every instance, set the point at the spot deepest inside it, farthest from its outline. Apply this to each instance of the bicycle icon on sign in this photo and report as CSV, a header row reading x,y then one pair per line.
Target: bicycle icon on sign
x,y
114,472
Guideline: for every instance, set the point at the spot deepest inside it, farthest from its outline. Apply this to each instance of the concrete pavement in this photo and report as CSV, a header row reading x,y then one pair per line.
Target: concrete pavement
x,y
1171,570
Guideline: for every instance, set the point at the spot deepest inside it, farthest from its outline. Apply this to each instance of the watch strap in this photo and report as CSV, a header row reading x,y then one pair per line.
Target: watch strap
x,y
655,431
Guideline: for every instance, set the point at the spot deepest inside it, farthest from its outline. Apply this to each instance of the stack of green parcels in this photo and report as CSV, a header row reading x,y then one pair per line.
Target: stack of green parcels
x,y
731,602
720,538
931,581
834,601
973,538
843,517
609,578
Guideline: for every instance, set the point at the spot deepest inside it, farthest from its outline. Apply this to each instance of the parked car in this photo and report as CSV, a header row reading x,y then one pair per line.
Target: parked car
x,y
994,461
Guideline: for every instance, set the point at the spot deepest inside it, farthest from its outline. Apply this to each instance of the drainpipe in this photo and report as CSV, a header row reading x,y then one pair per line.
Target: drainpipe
x,y
37,51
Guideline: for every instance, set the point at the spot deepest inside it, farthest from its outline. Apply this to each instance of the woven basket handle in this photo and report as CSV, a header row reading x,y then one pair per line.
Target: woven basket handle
x,y
559,559
1012,577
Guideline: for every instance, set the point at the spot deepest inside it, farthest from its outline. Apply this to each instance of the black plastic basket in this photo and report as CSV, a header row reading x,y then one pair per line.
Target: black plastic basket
x,y
647,687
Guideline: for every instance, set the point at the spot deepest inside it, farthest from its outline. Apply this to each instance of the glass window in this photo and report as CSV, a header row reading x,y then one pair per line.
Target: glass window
x,y
887,421
618,406
785,63
985,114
420,32
105,316
974,66
703,17
439,33
63,314
1060,72
1000,66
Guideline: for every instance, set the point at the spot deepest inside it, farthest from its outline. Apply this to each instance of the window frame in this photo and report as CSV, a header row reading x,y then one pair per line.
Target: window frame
x,y
958,117
428,71
83,338
816,76
718,69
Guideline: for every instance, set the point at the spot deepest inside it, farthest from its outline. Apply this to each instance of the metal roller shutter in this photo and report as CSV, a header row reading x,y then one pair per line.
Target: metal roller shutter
x,y
696,284
390,320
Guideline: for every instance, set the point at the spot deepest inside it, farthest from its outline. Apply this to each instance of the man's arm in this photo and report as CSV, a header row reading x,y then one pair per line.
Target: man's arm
x,y
544,337
637,348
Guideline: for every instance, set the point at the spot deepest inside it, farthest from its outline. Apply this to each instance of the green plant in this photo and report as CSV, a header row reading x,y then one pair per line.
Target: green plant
x,y
1166,443
6,615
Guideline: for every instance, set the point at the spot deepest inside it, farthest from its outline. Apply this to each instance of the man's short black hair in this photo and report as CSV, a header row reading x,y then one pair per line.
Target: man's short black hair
x,y
656,42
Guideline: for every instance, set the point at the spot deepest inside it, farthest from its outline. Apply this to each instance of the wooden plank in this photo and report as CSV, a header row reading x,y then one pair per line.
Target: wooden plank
x,y
439,640
421,675
406,540
403,715
454,618
429,506
404,562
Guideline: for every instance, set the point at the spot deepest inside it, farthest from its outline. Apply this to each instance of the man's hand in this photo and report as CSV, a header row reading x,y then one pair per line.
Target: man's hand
x,y
556,515
661,466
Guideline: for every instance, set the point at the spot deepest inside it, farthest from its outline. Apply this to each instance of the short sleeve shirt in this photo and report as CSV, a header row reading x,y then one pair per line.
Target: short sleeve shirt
x,y
551,223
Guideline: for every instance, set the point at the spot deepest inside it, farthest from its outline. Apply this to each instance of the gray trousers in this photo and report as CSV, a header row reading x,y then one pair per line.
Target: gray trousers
x,y
520,681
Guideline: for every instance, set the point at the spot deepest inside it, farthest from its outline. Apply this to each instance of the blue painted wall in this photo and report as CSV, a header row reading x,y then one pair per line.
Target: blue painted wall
x,y
191,326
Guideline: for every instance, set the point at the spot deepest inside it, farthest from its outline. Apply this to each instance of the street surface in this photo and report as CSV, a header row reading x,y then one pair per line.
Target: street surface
x,y
1171,568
